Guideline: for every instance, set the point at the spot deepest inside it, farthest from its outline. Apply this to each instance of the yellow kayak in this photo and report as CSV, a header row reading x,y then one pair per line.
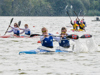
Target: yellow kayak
x,y
77,30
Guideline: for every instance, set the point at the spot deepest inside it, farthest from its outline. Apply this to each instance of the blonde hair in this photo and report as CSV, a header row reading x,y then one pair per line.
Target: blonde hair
x,y
26,25
44,28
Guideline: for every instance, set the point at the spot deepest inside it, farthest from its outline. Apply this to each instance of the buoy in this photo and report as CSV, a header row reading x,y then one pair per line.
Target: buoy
x,y
33,26
57,33
39,42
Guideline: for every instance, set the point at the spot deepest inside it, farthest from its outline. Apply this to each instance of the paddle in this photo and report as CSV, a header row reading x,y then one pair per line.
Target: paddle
x,y
75,14
67,11
72,36
9,25
32,35
86,36
79,12
84,15
68,15
19,23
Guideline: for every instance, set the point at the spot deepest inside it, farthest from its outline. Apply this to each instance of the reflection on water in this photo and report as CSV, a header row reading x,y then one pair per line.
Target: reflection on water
x,y
85,61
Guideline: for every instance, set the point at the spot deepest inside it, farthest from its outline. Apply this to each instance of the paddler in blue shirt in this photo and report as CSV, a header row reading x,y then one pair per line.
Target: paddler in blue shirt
x,y
84,22
26,30
77,21
15,30
46,39
63,41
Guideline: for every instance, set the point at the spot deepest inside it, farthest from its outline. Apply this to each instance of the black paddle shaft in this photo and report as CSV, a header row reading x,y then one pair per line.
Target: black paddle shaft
x,y
8,26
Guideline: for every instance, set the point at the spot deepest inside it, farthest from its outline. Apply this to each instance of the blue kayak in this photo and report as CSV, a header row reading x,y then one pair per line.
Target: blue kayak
x,y
38,50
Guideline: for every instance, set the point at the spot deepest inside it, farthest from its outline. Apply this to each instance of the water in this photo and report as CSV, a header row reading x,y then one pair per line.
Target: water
x,y
85,61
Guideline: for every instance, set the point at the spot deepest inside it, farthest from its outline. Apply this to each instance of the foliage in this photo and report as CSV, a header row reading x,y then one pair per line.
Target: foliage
x,y
48,7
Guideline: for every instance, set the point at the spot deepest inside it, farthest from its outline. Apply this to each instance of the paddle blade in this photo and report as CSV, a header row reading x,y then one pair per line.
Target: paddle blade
x,y
86,36
11,20
19,23
73,36
9,25
32,35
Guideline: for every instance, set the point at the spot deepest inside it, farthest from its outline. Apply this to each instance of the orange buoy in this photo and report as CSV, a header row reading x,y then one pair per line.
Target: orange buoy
x,y
39,42
57,33
33,26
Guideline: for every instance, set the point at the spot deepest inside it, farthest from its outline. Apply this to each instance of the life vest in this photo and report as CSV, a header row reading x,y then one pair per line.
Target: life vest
x,y
74,26
64,42
16,31
27,32
48,42
82,25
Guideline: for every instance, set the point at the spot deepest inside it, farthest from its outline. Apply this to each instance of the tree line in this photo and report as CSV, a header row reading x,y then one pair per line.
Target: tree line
x,y
49,7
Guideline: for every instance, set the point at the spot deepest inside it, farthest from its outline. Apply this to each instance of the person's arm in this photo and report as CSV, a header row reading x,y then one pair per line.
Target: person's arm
x,y
71,22
57,38
9,31
41,38
22,32
21,28
14,28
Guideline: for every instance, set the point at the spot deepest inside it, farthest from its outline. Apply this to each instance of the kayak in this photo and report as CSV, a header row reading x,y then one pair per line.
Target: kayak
x,y
79,30
6,36
47,50
11,36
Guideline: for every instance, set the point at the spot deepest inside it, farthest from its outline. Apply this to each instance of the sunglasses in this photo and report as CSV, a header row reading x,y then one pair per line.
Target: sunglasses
x,y
63,32
43,31
14,25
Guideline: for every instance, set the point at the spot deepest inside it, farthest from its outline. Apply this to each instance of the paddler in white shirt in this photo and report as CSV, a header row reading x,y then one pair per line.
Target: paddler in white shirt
x,y
15,30
46,39
26,30
63,41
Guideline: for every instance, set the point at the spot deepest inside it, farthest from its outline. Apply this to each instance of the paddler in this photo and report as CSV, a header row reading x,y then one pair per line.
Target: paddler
x,y
82,26
84,22
75,26
26,30
63,41
15,30
46,39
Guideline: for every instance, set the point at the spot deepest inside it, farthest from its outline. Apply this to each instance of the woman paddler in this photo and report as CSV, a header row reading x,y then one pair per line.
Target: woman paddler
x,y
63,41
82,26
26,30
15,30
75,25
46,38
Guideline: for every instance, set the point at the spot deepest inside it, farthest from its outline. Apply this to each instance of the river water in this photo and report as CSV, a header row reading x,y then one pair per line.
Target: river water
x,y
84,61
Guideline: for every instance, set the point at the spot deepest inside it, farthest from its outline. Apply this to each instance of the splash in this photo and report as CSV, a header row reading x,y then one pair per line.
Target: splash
x,y
85,46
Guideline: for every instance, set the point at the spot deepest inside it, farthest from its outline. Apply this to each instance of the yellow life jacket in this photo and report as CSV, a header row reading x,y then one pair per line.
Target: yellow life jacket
x,y
82,25
74,26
